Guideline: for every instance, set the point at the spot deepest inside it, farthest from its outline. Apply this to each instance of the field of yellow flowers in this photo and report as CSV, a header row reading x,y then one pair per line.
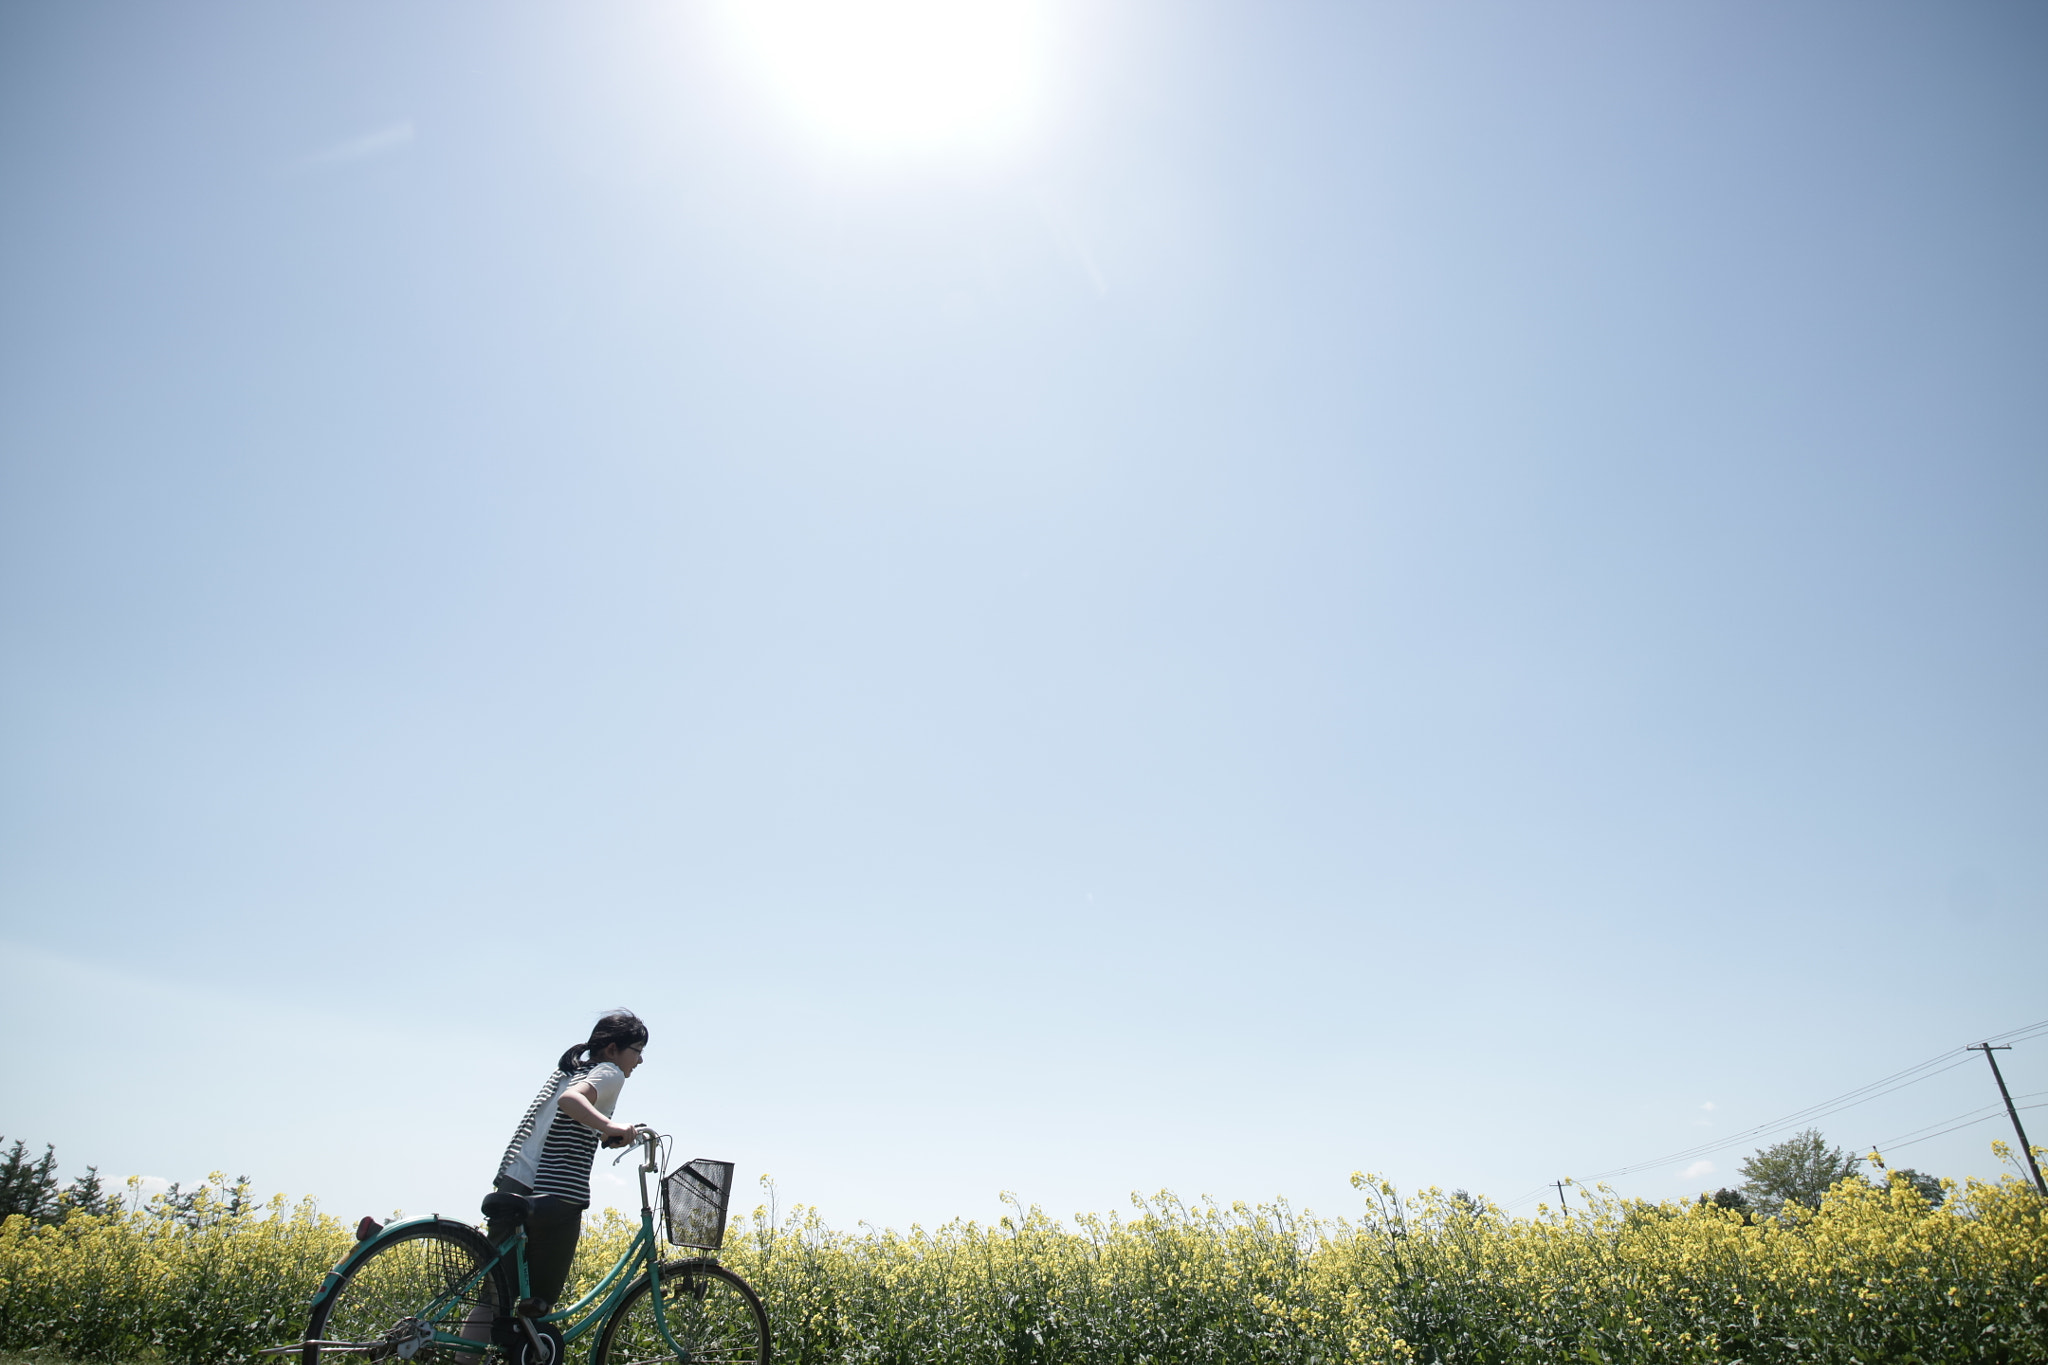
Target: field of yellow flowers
x,y
1875,1275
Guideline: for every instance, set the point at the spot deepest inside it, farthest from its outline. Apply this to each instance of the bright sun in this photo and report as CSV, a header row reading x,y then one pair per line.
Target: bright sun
x,y
888,75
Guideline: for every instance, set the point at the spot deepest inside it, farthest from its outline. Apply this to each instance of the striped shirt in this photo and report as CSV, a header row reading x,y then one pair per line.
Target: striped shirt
x,y
551,1153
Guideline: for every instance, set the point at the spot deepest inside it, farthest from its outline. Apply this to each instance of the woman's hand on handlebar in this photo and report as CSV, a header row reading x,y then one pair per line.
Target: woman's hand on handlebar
x,y
622,1134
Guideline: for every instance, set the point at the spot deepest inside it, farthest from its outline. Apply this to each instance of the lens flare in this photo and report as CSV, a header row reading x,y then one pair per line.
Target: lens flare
x,y
886,75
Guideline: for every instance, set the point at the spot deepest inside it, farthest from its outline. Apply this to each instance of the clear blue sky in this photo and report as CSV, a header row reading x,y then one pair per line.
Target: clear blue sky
x,y
1244,592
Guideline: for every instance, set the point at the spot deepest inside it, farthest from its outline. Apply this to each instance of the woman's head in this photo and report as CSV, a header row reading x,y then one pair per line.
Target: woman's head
x,y
617,1037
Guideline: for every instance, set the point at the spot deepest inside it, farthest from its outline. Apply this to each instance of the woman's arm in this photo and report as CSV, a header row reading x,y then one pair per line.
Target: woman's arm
x,y
576,1103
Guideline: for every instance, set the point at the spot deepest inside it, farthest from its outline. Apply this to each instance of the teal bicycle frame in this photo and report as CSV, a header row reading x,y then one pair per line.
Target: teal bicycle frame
x,y
572,1322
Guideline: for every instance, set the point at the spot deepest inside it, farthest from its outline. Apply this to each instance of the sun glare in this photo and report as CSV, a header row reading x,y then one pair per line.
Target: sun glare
x,y
890,75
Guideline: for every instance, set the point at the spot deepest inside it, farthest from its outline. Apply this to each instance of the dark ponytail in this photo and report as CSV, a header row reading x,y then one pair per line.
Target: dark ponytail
x,y
620,1028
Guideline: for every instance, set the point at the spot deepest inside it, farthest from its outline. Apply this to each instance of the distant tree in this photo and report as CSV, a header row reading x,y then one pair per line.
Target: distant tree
x,y
204,1205
1798,1170
1726,1198
178,1203
28,1187
86,1194
1928,1185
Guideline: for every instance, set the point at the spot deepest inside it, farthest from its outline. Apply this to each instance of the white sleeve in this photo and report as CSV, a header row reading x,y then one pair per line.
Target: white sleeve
x,y
607,1080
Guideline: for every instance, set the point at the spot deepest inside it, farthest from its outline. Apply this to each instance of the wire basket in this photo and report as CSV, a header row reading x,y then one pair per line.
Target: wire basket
x,y
693,1202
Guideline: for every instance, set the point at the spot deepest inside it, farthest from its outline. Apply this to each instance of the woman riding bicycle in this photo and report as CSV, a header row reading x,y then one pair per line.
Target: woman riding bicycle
x,y
552,1151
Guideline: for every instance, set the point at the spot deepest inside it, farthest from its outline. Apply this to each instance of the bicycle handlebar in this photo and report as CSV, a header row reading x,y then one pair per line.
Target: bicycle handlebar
x,y
642,1136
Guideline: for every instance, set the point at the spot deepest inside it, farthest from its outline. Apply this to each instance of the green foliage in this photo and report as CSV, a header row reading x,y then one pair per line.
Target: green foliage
x,y
1798,1171
28,1187
193,1279
1872,1275
1875,1273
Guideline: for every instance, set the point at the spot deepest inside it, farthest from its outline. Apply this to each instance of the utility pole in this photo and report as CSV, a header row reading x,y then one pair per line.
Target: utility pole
x,y
1567,1208
2012,1113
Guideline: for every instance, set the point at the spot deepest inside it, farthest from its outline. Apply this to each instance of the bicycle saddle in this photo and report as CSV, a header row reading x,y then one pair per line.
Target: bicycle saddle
x,y
509,1207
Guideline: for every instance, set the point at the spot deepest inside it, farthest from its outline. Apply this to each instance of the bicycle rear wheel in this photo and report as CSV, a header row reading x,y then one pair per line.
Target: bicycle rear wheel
x,y
419,1279
713,1316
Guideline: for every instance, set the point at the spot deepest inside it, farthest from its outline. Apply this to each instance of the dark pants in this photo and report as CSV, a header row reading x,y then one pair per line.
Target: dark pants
x,y
551,1234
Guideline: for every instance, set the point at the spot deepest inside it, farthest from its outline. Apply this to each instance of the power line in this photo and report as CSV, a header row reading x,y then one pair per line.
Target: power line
x,y
1898,1080
1964,1119
1972,1123
1812,1113
2009,1036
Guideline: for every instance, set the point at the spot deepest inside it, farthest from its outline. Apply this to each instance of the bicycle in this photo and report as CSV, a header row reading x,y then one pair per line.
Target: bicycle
x,y
436,1292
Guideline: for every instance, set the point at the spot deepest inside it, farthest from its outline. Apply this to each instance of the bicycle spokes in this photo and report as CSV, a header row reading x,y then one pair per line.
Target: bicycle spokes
x,y
398,1298
706,1316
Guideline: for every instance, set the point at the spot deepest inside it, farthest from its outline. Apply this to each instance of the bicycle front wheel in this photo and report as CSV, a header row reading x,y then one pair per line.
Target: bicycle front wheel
x,y
712,1315
421,1279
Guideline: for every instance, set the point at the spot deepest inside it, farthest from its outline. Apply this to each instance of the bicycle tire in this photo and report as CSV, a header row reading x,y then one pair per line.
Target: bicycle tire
x,y
713,1314
411,1271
